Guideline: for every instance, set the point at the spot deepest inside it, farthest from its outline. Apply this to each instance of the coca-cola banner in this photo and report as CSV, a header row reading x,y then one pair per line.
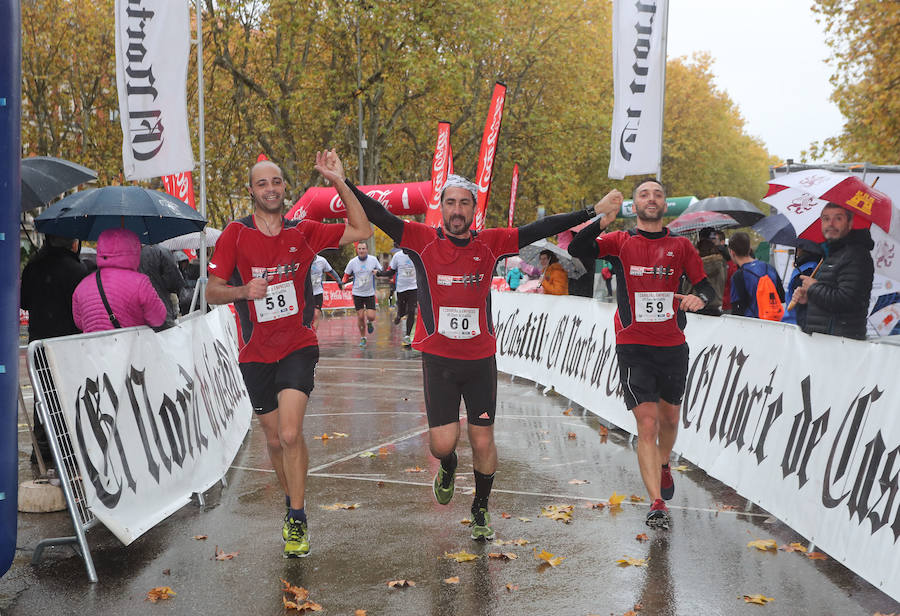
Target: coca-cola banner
x,y
441,166
319,202
804,426
639,75
153,417
488,153
152,47
181,186
512,193
336,298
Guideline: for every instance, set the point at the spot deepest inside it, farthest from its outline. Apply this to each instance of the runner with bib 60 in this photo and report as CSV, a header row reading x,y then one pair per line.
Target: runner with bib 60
x,y
454,266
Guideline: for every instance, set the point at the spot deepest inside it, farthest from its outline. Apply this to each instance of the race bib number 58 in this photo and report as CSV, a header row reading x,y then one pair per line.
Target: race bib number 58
x,y
458,323
280,301
654,307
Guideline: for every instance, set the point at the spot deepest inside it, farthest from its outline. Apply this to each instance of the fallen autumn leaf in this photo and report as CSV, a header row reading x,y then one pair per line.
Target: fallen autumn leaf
x,y
643,537
628,561
160,593
757,599
763,544
452,580
400,583
461,556
502,556
547,557
816,556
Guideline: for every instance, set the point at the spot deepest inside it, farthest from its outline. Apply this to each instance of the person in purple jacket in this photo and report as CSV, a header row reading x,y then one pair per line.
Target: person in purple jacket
x,y
132,299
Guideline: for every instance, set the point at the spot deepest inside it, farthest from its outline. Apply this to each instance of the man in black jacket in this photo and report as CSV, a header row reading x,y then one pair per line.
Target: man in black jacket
x,y
159,265
837,299
48,282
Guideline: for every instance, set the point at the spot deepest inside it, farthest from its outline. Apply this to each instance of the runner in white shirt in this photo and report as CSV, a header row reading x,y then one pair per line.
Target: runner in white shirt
x,y
317,272
403,266
362,269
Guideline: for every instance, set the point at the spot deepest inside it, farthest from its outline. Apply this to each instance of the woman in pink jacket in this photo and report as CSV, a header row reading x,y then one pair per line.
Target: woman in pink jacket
x,y
132,299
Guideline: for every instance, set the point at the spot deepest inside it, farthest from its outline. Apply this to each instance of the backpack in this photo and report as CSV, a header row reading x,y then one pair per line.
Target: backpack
x,y
768,304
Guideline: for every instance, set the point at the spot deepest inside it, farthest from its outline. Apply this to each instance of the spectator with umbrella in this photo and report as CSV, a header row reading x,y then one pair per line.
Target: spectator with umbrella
x,y
806,258
554,280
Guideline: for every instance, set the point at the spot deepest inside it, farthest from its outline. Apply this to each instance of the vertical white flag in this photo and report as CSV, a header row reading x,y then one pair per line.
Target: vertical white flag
x,y
152,47
639,63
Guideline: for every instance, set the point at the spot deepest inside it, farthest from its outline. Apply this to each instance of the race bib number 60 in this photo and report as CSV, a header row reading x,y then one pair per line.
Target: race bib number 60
x,y
654,307
280,301
458,323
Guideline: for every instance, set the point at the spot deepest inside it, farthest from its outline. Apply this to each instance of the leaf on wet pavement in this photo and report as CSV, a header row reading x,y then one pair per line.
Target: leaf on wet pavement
x,y
578,482
452,580
298,592
763,544
367,454
415,469
562,513
461,556
603,431
793,547
167,572
568,411
643,537
223,555
723,507
383,451
524,519
339,506
160,593
519,542
681,469
502,556
512,587
400,583
634,498
572,436
200,537
628,561
505,516
616,499
757,599
547,557
359,613
339,435
595,505
324,437
466,522
816,556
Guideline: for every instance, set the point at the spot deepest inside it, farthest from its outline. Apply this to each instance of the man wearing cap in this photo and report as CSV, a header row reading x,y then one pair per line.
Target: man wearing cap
x,y
261,264
454,265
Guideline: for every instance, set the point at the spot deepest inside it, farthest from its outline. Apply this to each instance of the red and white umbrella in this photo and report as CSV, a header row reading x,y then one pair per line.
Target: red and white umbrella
x,y
802,196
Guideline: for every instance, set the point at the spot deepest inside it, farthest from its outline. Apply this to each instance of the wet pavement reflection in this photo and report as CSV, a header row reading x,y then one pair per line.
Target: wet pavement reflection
x,y
548,456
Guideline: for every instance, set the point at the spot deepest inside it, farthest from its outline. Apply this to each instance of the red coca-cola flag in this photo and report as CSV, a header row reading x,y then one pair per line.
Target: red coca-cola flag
x,y
322,202
488,152
441,166
181,186
512,193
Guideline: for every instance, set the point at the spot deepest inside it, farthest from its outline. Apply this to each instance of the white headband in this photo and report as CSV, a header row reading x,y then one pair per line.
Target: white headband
x,y
458,181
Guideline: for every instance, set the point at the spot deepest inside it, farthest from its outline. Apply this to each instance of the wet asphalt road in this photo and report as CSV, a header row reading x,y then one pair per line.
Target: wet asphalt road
x,y
701,566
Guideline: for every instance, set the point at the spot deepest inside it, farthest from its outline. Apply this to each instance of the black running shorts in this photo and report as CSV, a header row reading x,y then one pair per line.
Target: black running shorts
x,y
364,301
265,381
650,373
448,380
318,300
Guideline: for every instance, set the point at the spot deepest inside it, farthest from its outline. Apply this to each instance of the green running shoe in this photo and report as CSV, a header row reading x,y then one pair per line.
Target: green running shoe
x,y
481,525
443,486
297,545
286,527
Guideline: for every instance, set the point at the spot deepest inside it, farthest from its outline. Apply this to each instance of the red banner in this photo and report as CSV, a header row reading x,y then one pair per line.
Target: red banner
x,y
320,202
440,168
181,186
488,152
334,297
512,193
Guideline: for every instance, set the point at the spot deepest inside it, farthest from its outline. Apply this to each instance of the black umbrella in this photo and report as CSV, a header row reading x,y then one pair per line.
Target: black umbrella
x,y
153,215
744,212
44,178
777,229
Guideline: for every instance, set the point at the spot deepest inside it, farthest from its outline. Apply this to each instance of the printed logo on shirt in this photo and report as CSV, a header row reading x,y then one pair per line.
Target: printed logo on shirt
x,y
657,271
446,280
277,272
669,253
292,249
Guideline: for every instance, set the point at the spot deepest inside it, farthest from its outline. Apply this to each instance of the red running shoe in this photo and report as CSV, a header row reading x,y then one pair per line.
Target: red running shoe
x,y
658,516
667,484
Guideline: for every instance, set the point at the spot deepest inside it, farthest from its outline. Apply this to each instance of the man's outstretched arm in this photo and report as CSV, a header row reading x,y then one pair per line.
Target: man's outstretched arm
x,y
551,225
378,215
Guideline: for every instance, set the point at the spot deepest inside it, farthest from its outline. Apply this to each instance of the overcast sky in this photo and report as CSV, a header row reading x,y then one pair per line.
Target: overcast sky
x,y
769,56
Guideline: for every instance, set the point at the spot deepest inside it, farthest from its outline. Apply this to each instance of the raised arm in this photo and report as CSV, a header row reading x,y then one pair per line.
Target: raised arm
x,y
329,165
378,215
583,245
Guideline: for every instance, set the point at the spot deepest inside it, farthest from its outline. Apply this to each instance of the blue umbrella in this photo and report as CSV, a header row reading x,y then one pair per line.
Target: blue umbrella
x,y
153,215
777,229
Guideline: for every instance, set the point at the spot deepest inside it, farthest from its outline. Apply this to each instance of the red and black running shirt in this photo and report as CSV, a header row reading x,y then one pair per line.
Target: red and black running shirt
x,y
243,252
649,266
457,274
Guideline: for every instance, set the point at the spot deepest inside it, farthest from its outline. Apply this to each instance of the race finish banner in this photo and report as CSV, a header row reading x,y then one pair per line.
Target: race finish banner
x,y
639,76
804,426
336,298
152,47
153,417
441,167
485,170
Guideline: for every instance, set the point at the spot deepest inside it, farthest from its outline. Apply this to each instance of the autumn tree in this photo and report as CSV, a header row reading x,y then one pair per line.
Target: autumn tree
x,y
865,38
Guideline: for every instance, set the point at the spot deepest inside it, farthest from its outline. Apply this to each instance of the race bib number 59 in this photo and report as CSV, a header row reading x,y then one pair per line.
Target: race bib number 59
x,y
280,301
458,323
654,307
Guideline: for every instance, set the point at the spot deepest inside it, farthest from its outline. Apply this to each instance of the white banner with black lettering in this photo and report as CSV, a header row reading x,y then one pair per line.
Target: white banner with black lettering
x,y
639,76
152,47
805,426
153,418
